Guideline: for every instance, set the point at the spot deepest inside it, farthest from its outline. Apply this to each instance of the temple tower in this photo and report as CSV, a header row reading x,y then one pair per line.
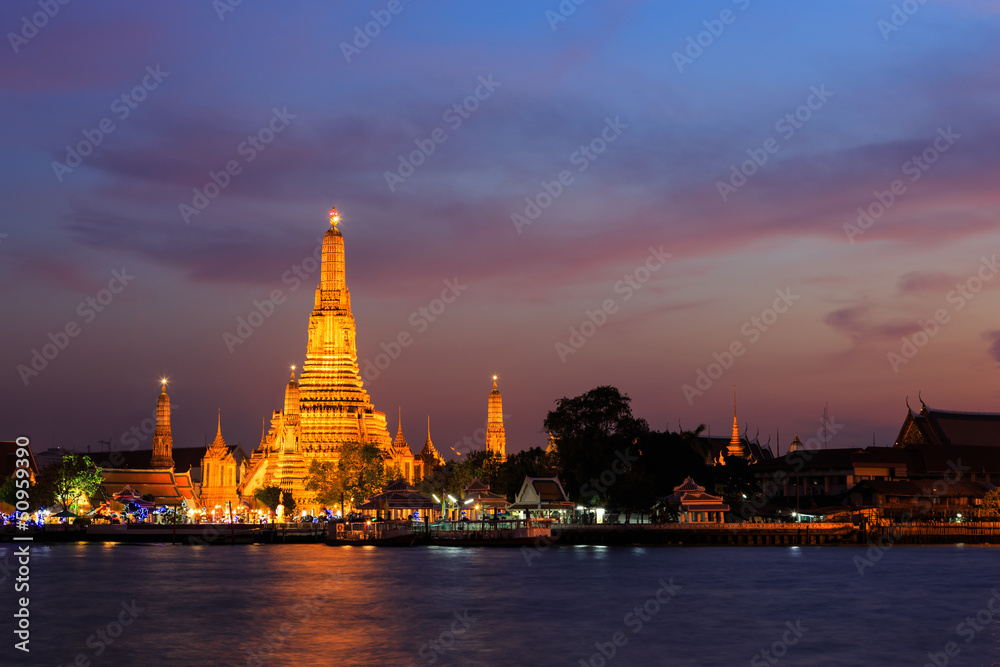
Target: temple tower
x,y
496,440
333,404
327,406
735,447
163,441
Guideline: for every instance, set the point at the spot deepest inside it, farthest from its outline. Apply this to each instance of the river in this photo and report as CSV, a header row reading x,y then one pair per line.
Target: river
x,y
149,605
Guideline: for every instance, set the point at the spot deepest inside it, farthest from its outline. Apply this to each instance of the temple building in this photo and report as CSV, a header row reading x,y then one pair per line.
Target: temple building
x,y
735,447
163,442
496,441
220,473
327,405
428,459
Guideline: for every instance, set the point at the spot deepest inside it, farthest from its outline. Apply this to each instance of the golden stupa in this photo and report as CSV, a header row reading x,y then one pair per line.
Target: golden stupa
x,y
328,404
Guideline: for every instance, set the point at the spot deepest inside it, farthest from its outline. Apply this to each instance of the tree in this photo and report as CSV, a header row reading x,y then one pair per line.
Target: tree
x,y
595,432
360,472
66,481
534,462
991,500
270,497
288,502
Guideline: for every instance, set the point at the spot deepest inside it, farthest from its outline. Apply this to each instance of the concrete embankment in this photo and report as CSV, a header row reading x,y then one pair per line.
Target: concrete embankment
x,y
734,534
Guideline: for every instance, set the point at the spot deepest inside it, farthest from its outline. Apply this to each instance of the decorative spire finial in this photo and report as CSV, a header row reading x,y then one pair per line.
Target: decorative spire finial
x,y
334,216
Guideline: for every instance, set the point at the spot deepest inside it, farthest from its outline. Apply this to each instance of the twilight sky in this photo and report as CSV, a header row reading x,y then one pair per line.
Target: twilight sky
x,y
583,149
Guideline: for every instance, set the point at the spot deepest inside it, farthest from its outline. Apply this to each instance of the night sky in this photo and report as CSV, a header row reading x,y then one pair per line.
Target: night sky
x,y
739,138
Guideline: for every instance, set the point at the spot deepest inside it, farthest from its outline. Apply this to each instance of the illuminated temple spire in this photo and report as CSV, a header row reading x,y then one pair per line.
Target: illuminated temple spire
x,y
219,444
430,453
333,405
163,441
400,441
496,441
735,446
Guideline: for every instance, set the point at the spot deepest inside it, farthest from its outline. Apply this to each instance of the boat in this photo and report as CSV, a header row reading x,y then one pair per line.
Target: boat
x,y
491,533
375,533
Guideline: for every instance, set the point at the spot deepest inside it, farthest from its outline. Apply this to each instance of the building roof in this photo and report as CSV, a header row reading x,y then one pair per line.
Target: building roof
x,y
186,459
693,497
711,447
8,459
398,495
541,493
949,427
166,486
480,493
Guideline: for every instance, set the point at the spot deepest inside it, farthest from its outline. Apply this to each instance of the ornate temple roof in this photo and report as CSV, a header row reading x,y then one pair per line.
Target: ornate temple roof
x,y
949,427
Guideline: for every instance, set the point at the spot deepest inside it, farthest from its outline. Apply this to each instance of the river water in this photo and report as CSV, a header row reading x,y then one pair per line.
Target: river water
x,y
154,605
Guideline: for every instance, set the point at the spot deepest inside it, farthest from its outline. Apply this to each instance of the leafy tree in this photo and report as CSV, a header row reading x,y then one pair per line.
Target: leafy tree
x,y
991,501
594,430
270,497
67,480
360,472
288,501
534,462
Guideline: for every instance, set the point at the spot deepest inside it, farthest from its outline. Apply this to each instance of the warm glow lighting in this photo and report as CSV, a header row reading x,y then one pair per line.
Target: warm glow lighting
x,y
334,216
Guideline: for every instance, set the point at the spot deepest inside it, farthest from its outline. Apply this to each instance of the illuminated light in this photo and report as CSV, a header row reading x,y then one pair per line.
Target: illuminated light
x,y
436,499
334,216
471,499
452,498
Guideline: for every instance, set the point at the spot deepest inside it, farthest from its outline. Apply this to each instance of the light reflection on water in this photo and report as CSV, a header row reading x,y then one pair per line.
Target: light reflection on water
x,y
315,605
